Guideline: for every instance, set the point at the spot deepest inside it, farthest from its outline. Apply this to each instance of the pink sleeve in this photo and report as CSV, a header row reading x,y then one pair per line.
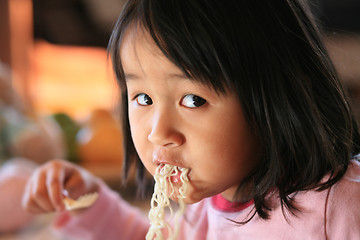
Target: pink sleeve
x,y
14,175
12,216
343,209
109,218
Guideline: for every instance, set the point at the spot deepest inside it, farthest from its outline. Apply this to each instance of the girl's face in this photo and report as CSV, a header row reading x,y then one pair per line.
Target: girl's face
x,y
182,122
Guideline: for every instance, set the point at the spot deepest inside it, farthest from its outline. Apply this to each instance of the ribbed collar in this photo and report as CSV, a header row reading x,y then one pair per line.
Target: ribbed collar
x,y
222,204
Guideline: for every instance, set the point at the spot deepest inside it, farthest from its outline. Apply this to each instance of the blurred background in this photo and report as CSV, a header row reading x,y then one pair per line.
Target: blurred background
x,y
55,53
341,22
58,96
58,99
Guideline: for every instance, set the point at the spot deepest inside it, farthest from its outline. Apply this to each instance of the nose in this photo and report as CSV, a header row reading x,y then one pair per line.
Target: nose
x,y
164,131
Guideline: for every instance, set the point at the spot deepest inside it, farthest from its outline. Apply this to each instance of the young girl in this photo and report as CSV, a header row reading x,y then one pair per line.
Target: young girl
x,y
243,94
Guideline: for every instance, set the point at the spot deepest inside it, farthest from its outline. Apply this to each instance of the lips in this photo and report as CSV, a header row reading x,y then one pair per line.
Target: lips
x,y
163,156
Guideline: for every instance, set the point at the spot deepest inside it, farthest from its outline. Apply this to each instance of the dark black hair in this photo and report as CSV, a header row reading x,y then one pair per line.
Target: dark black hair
x,y
271,54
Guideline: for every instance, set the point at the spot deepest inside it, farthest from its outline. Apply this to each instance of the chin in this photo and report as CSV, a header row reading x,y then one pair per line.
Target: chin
x,y
187,200
190,199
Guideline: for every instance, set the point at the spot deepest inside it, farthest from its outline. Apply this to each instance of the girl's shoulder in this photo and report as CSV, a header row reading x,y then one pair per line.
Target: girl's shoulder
x,y
342,208
353,172
347,190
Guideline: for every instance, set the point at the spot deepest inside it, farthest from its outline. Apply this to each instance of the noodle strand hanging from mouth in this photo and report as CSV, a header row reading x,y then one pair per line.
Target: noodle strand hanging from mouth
x,y
160,201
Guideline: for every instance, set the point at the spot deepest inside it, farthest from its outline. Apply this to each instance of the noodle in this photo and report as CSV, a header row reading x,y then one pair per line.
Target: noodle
x,y
160,201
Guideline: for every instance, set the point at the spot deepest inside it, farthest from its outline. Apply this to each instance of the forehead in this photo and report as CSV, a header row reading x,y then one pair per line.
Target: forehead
x,y
136,38
140,55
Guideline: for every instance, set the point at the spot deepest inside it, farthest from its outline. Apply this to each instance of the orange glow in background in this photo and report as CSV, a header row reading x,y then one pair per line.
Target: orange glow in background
x,y
71,79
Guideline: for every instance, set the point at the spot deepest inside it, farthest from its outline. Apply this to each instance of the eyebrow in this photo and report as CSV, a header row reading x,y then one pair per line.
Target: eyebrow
x,y
130,76
133,77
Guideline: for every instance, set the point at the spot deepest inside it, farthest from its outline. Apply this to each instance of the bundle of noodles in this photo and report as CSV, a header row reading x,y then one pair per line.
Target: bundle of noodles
x,y
160,201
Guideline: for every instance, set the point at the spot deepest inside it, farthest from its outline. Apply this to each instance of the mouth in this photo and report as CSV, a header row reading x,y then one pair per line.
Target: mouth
x,y
173,179
175,174
180,175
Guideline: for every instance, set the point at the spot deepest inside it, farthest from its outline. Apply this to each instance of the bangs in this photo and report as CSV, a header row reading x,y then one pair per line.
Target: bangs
x,y
183,38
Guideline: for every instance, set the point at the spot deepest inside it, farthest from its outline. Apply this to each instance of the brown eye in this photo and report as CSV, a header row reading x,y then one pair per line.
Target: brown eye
x,y
192,101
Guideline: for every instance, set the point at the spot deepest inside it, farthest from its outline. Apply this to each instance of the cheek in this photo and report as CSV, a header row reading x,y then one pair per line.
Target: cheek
x,y
137,122
228,148
142,148
138,132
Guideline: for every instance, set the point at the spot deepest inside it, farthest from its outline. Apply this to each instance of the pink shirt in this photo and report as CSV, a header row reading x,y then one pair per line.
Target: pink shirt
x,y
333,214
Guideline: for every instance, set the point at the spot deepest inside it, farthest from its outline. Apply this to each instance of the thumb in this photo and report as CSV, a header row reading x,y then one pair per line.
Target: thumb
x,y
74,187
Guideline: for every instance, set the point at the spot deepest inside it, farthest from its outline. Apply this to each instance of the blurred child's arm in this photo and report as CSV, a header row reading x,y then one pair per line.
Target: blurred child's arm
x,y
14,175
45,190
110,217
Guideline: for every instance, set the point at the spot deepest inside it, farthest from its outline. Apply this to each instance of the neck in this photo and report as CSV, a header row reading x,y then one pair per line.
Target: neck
x,y
233,195
229,194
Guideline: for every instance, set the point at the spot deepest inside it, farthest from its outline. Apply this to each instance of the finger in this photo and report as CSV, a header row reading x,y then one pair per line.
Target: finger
x,y
39,192
33,208
54,182
75,185
28,201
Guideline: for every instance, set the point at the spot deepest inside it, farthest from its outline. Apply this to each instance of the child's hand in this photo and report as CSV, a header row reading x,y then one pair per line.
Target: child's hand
x,y
53,181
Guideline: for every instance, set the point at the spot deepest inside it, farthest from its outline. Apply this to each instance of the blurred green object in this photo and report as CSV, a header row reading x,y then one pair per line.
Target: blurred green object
x,y
69,128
